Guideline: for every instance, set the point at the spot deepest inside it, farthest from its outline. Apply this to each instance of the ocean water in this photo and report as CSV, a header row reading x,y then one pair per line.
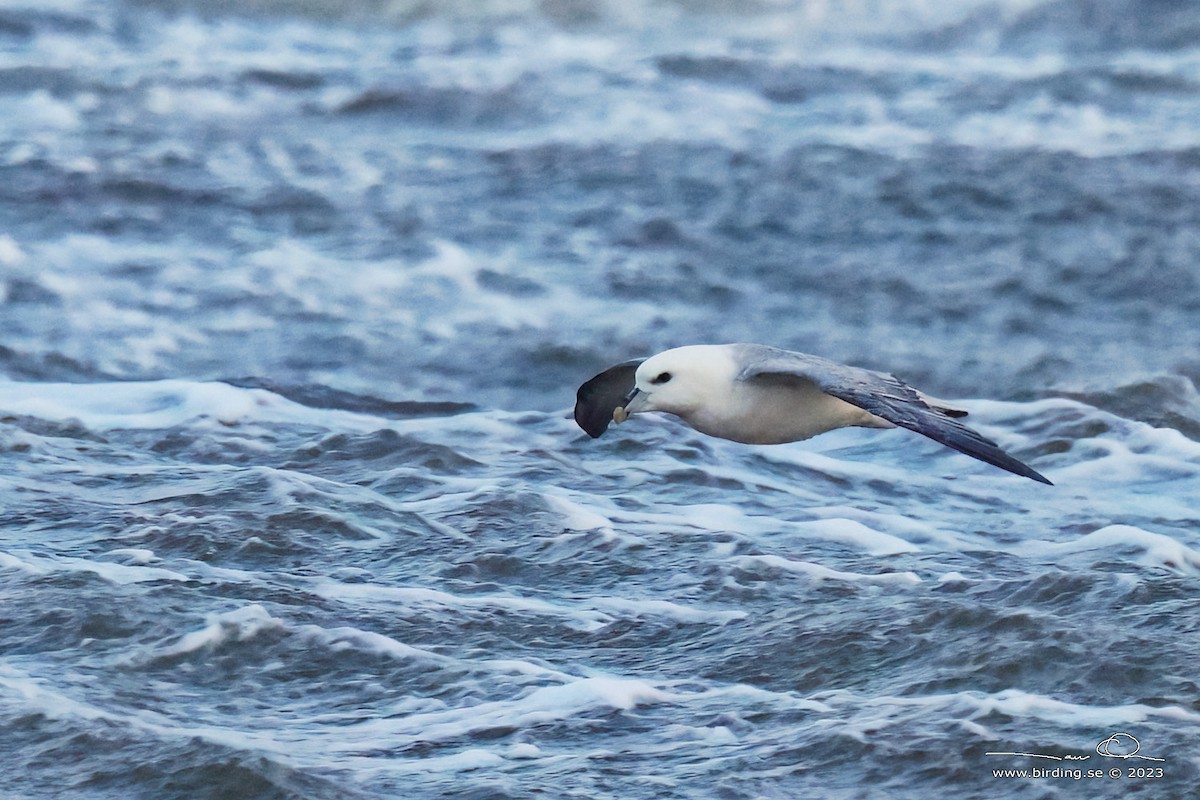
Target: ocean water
x,y
294,299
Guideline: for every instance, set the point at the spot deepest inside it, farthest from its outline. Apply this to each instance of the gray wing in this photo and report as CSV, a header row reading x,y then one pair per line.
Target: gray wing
x,y
884,396
599,397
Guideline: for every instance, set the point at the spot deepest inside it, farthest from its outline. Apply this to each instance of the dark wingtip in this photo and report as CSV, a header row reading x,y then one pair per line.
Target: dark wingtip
x,y
998,458
1039,477
598,397
971,442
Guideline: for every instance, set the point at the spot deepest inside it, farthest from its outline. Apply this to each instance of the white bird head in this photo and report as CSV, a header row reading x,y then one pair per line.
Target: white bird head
x,y
679,381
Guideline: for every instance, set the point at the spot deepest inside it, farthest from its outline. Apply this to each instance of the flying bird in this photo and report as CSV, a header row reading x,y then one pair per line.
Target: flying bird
x,y
757,394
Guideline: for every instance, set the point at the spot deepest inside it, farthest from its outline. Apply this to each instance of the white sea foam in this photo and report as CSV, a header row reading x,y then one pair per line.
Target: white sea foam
x,y
1026,705
350,638
585,614
1144,455
710,517
159,405
1089,130
238,625
472,759
36,694
907,531
41,697
523,750
665,609
117,574
577,518
815,455
151,405
818,572
11,253
864,717
855,534
1151,549
133,555
537,706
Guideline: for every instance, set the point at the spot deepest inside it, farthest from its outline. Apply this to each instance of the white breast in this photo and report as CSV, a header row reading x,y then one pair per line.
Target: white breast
x,y
775,413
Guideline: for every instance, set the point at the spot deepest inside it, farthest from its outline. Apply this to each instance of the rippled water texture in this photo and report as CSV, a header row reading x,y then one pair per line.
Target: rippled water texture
x,y
294,298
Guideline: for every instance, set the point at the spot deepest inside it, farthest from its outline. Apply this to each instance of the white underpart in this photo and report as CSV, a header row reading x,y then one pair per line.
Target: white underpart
x,y
776,414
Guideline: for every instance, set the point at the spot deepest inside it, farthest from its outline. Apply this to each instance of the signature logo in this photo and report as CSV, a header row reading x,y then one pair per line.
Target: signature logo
x,y
1123,745
1118,745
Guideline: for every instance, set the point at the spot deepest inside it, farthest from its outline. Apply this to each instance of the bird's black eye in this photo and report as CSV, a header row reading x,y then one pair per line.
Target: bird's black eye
x,y
663,377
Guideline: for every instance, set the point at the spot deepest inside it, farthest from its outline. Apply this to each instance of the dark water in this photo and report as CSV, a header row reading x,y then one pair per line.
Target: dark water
x,y
294,298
